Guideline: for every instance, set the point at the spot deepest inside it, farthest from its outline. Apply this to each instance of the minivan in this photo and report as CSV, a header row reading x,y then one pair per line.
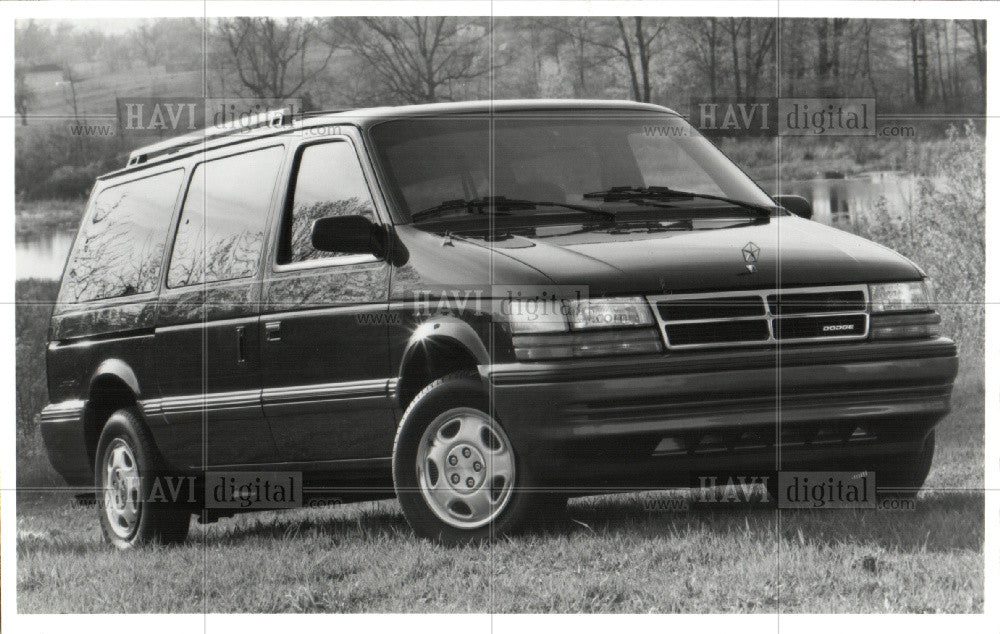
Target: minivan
x,y
483,309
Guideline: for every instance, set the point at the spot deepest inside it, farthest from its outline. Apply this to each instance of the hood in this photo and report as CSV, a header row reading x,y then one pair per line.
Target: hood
x,y
685,256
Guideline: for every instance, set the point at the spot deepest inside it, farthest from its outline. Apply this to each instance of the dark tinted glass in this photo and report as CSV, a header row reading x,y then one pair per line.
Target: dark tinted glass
x,y
221,231
328,182
120,247
550,157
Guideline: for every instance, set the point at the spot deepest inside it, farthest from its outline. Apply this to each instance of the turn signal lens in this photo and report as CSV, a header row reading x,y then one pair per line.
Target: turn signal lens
x,y
913,326
587,344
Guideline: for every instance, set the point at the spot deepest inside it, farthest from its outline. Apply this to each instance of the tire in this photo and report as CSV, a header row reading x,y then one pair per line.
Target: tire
x,y
455,472
133,507
902,476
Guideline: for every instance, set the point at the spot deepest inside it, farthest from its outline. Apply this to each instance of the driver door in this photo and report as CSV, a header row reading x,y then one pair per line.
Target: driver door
x,y
324,336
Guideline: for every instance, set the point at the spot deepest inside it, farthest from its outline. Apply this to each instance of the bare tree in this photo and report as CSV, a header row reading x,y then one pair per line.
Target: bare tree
x,y
145,40
416,57
705,39
585,54
749,51
830,36
70,79
977,29
270,56
23,95
918,59
89,43
637,48
634,41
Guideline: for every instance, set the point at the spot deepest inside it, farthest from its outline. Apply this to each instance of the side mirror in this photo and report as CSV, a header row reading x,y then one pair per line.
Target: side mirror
x,y
795,204
348,234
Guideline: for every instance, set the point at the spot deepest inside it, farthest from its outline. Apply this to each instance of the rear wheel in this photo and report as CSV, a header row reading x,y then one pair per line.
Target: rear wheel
x,y
133,506
456,472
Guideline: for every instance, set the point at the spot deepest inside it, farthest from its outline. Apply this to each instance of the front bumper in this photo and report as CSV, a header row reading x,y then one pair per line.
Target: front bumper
x,y
659,420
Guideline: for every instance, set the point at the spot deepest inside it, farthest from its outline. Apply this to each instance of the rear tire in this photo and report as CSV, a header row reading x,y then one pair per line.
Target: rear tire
x,y
455,472
132,502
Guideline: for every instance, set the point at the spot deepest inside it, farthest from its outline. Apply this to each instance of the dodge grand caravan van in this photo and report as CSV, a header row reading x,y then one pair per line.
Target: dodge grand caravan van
x,y
480,308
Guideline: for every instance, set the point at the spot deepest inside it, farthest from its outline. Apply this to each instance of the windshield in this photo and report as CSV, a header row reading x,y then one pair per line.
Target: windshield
x,y
551,158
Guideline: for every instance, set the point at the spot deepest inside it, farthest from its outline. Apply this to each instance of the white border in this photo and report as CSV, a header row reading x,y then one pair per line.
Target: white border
x,y
416,624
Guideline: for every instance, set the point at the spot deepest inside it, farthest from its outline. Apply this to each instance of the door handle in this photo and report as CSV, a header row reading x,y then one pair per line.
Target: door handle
x,y
272,330
241,344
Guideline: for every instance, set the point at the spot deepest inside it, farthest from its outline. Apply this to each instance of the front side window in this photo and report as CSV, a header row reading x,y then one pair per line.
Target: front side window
x,y
328,182
120,248
222,224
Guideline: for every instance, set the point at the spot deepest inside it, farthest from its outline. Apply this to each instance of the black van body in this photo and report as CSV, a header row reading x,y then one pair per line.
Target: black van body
x,y
246,358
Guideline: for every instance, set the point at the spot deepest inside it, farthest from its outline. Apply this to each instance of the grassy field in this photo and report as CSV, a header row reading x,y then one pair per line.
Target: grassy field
x,y
617,553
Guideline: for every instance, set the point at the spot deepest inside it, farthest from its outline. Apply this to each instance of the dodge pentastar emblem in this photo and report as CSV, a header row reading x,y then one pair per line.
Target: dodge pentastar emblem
x,y
750,254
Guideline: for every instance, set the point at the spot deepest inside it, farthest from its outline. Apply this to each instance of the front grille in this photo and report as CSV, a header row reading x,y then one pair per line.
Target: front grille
x,y
747,318
719,332
796,303
713,307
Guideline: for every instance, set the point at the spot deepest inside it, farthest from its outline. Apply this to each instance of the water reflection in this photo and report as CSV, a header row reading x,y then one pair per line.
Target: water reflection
x,y
42,257
841,200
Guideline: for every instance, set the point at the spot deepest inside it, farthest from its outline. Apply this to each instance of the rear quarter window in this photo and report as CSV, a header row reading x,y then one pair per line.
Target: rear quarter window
x,y
120,247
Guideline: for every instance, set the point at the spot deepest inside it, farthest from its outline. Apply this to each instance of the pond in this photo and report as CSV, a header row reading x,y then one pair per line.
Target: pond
x,y
837,201
840,200
42,256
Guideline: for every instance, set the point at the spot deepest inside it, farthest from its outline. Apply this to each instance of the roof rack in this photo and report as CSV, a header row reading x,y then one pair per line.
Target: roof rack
x,y
270,119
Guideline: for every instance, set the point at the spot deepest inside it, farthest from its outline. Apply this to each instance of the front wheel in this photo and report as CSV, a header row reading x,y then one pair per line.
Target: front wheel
x,y
455,470
903,476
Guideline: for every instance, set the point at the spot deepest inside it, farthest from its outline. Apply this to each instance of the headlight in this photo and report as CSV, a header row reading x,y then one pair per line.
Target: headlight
x,y
529,316
613,312
582,328
902,310
900,297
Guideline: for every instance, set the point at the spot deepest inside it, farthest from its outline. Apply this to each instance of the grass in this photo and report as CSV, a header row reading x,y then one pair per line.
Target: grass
x,y
614,556
34,306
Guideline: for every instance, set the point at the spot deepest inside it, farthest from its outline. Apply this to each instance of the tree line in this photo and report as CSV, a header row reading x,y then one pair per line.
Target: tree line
x,y
911,64
908,66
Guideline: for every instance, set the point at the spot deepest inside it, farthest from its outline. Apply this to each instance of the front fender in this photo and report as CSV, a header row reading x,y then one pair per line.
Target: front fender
x,y
438,347
446,329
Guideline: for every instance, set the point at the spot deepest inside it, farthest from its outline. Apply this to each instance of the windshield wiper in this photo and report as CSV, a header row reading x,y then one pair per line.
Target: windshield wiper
x,y
501,205
642,194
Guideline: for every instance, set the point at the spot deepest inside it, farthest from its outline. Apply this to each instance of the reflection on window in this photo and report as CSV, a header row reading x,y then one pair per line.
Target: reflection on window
x,y
549,158
664,163
221,231
328,182
120,248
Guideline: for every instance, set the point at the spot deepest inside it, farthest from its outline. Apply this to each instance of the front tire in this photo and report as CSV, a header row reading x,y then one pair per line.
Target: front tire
x,y
903,476
132,507
455,471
